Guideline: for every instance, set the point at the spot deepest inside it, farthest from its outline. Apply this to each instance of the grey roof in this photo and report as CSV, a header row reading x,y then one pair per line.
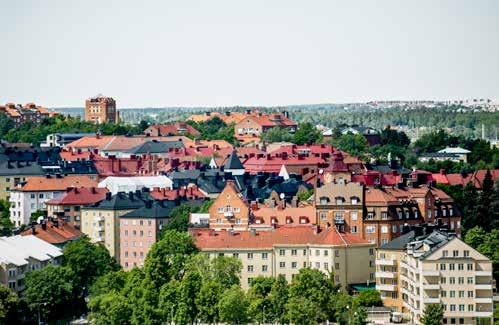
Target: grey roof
x,y
122,201
155,147
20,168
233,162
155,210
436,240
401,242
185,174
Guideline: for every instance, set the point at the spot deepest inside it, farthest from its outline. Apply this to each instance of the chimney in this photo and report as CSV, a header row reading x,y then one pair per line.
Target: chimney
x,y
108,196
149,204
44,224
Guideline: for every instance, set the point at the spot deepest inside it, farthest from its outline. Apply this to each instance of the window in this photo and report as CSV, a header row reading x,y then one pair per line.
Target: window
x,y
452,267
317,252
370,216
452,280
126,232
282,265
384,215
353,215
471,307
250,256
235,255
461,293
443,280
339,200
384,241
282,252
384,229
371,251
265,256
304,252
294,265
461,307
337,266
461,280
250,268
470,267
460,266
354,200
219,221
455,253
40,195
443,294
452,294
294,252
353,229
370,229
317,265
445,253
470,294
323,215
394,228
32,195
265,268
470,280
466,253
442,267
221,254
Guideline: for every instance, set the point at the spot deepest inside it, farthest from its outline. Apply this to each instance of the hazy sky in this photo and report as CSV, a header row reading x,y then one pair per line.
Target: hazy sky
x,y
254,52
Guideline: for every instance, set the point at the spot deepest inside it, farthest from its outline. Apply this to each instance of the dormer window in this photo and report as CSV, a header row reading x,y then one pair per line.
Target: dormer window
x,y
370,216
339,200
289,220
324,200
273,220
354,200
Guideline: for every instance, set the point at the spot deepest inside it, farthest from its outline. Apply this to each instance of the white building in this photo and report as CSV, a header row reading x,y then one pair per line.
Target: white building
x,y
436,269
22,254
132,184
31,196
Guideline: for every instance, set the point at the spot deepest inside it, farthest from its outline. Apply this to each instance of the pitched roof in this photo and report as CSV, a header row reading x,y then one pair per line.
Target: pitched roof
x,y
155,210
54,233
55,183
122,201
174,129
233,162
18,249
286,215
208,239
155,146
79,196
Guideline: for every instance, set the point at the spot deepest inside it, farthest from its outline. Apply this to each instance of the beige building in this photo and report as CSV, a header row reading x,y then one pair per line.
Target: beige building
x,y
438,268
230,210
287,249
101,221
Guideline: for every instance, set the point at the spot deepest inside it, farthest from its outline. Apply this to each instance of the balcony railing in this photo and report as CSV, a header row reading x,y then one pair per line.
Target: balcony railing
x,y
386,262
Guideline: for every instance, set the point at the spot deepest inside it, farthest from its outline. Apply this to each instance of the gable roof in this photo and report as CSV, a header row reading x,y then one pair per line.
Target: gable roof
x,y
155,146
155,210
54,233
233,162
55,183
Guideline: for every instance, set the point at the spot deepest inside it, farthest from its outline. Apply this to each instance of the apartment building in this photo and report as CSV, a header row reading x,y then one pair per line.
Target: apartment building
x,y
436,268
178,128
230,210
21,114
101,109
341,203
31,196
68,206
101,221
140,229
287,249
12,173
254,124
20,255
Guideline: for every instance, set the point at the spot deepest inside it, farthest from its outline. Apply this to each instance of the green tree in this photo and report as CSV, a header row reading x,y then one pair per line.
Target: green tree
x,y
189,288
9,304
487,244
301,310
167,257
258,295
317,288
278,298
109,282
354,144
169,296
110,308
393,137
37,214
433,314
88,261
485,214
207,301
222,269
277,134
6,225
233,306
470,203
368,298
307,133
51,290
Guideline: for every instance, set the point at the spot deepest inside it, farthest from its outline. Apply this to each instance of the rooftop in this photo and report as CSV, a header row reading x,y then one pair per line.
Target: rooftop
x,y
18,250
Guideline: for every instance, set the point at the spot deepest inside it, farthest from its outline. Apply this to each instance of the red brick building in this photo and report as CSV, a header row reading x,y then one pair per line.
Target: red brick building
x,y
101,109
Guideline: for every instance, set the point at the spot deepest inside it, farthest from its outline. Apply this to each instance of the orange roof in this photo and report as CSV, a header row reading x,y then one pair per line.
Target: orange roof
x,y
53,183
54,235
283,216
75,155
208,239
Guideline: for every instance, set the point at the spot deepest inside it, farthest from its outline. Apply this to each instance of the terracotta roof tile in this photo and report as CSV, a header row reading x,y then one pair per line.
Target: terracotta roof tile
x,y
53,183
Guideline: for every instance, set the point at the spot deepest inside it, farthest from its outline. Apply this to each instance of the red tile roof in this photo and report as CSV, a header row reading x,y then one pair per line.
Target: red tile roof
x,y
273,164
53,183
190,193
80,196
284,216
173,129
475,178
208,239
54,235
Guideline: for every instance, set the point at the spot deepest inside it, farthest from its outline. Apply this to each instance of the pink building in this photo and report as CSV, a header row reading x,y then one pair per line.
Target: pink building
x,y
140,229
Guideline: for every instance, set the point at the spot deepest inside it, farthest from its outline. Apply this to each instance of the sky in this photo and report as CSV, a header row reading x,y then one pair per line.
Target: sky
x,y
254,52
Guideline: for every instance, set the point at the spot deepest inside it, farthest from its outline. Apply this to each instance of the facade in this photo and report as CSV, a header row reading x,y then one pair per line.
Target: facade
x,y
31,196
13,173
140,229
230,210
254,124
101,109
179,128
20,255
287,249
437,268
67,207
341,204
101,221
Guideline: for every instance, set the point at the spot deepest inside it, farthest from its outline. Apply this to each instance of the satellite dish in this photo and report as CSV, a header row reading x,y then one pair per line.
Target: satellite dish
x,y
282,196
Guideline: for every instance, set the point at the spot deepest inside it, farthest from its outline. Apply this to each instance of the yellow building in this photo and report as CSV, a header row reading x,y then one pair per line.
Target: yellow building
x,y
287,249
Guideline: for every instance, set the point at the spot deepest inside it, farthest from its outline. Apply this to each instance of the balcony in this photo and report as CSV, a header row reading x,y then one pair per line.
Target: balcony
x,y
383,274
431,300
99,219
431,273
430,286
483,273
386,287
483,286
386,262
486,314
483,300
228,214
339,220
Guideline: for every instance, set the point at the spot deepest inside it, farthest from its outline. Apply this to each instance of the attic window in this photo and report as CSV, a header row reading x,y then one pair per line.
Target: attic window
x,y
340,200
354,200
324,200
